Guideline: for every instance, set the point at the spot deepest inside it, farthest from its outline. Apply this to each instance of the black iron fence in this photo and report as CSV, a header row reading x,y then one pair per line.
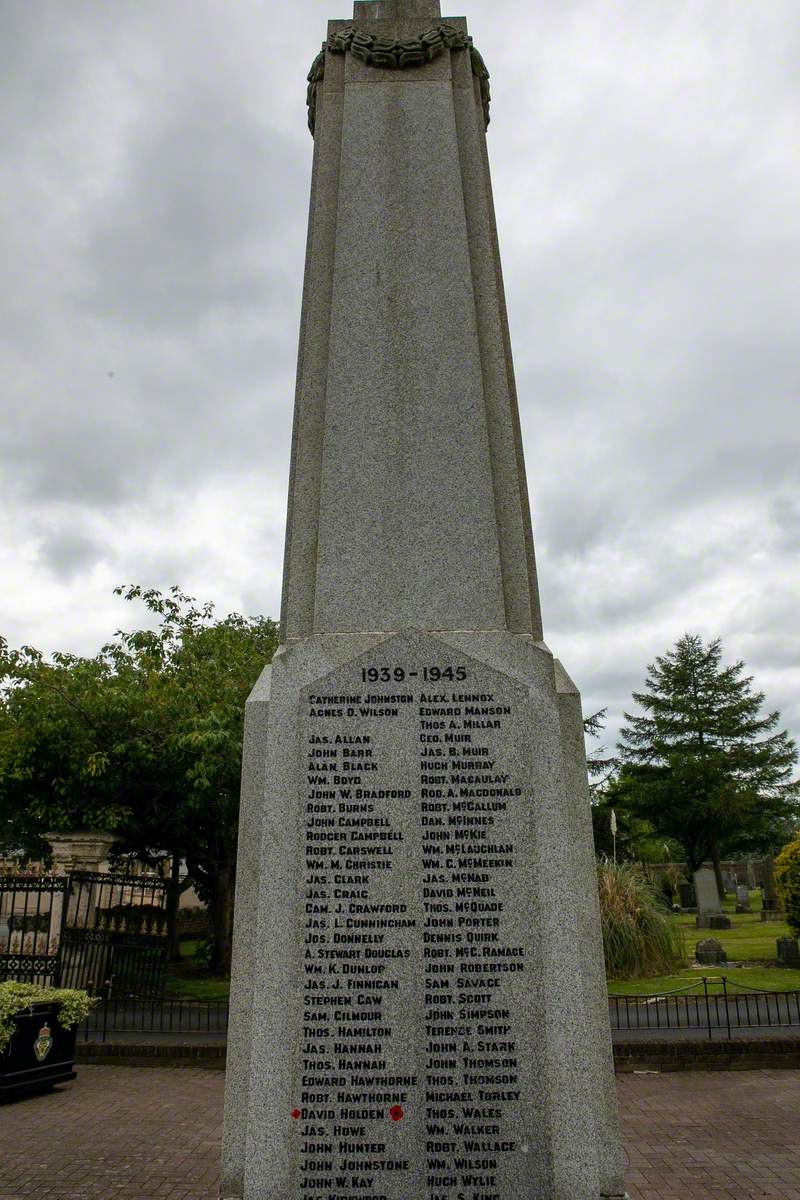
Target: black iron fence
x,y
106,932
707,1007
31,908
132,1016
697,1010
114,934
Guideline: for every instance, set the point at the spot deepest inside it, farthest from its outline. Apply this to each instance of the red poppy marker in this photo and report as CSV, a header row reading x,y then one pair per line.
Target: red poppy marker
x,y
396,1112
296,1113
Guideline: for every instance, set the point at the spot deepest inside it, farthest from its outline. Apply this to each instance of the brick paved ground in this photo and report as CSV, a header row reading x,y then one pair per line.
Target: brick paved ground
x,y
123,1133
726,1135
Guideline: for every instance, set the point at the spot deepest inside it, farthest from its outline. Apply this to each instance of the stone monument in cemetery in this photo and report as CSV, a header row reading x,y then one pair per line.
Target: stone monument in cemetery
x,y
770,907
710,953
709,909
418,1006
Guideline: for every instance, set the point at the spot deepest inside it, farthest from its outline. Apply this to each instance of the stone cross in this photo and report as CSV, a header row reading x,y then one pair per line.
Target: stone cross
x,y
418,1003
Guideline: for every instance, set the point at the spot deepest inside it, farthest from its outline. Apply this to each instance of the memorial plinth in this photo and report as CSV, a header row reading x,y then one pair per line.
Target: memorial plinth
x,y
418,1006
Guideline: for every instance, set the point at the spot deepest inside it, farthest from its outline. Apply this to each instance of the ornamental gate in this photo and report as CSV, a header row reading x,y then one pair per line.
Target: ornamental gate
x,y
30,921
103,932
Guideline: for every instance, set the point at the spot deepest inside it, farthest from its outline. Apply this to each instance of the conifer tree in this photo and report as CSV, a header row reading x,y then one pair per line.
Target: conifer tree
x,y
702,762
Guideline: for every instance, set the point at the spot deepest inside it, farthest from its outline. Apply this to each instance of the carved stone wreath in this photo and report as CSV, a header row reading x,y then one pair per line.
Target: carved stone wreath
x,y
396,55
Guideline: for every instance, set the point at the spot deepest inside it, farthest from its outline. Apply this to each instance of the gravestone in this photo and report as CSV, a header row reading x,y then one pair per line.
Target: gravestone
x,y
770,907
788,952
710,952
709,913
687,897
742,899
418,1004
729,880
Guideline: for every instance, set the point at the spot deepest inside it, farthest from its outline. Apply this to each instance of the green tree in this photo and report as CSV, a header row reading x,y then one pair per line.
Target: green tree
x,y
787,883
143,740
59,720
636,839
702,762
598,764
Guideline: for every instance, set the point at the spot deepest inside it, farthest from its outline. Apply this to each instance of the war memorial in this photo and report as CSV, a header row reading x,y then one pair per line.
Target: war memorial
x,y
418,1006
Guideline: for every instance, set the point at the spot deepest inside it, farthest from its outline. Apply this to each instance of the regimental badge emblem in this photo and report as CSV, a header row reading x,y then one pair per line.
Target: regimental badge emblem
x,y
43,1044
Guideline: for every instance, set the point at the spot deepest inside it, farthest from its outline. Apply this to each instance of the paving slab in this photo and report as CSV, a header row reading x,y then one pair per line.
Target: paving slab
x,y
130,1133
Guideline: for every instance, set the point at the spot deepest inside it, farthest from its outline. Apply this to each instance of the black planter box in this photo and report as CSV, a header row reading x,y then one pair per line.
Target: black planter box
x,y
40,1054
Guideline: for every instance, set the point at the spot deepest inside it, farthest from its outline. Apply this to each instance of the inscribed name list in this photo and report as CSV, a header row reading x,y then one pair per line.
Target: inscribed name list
x,y
415,835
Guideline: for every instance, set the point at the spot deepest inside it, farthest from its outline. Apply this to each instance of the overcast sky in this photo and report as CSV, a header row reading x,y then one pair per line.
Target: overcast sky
x,y
154,173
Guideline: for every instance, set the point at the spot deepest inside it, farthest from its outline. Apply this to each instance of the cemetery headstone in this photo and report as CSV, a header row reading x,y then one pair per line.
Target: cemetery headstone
x,y
770,907
788,952
418,1004
742,899
687,896
710,952
709,912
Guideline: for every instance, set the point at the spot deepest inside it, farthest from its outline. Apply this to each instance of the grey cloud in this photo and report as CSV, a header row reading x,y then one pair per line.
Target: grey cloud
x,y
67,553
785,513
196,225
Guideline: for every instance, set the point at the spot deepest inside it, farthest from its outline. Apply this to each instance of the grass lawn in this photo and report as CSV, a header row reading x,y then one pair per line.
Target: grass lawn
x,y
749,941
769,979
188,980
748,938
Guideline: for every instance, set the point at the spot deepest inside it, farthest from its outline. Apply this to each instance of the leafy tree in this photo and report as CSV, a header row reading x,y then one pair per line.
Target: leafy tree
x,y
636,839
598,764
143,740
58,722
702,763
787,882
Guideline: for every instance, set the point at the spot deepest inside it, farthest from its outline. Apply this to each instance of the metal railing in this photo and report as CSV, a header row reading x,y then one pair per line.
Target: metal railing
x,y
88,929
132,1015
31,907
696,1009
699,1007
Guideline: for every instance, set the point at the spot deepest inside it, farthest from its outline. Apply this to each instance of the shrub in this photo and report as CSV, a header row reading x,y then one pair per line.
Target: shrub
x,y
672,879
787,883
73,1006
638,936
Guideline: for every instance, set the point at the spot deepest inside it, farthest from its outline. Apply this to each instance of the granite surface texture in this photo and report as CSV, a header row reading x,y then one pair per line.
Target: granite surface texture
x,y
557,1134
251,819
595,1034
407,528
395,10
419,994
408,502
705,887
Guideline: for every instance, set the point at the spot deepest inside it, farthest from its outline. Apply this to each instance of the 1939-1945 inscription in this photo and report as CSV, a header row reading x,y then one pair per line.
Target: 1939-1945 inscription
x,y
414,971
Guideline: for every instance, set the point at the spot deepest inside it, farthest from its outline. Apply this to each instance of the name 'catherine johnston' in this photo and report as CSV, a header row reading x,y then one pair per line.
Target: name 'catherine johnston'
x,y
379,698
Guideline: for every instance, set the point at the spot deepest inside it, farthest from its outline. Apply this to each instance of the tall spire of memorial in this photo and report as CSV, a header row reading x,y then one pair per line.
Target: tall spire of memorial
x,y
408,501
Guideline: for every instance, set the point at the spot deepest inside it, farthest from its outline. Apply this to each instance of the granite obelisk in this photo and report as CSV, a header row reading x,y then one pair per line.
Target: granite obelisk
x,y
418,1000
